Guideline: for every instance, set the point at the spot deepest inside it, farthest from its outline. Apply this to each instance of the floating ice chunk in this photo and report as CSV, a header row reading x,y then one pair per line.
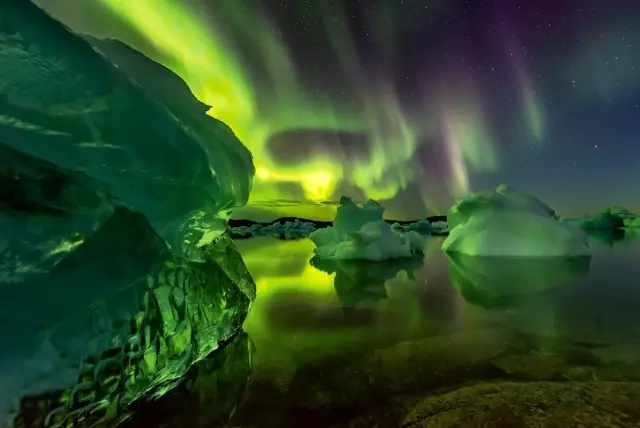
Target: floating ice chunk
x,y
611,218
439,228
629,219
492,224
362,234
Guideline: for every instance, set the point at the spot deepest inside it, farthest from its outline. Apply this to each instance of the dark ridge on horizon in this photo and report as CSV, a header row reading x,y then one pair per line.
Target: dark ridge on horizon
x,y
323,223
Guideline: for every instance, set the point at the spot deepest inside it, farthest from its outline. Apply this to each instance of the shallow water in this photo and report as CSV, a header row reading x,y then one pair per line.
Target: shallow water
x,y
359,344
304,313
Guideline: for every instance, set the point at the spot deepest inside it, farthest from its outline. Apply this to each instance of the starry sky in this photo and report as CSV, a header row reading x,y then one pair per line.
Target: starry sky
x,y
411,102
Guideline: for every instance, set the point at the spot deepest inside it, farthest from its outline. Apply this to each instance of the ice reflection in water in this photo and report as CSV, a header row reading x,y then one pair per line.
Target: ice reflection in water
x,y
303,313
498,282
336,341
310,307
334,336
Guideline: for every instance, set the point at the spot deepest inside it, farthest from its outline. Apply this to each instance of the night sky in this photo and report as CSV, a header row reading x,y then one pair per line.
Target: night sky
x,y
409,102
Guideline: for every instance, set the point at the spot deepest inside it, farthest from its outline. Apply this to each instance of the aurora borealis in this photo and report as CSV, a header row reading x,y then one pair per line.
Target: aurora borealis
x,y
408,102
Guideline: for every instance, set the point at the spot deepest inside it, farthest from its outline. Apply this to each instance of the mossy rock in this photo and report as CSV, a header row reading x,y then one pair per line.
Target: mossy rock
x,y
532,404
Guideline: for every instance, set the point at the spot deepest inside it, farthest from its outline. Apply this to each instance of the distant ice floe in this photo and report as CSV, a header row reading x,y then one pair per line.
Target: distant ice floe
x,y
300,229
609,219
288,230
360,233
510,222
439,228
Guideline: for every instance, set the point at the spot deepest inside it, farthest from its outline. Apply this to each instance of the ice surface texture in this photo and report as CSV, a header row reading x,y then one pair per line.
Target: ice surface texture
x,y
45,212
360,233
64,103
509,222
116,272
120,318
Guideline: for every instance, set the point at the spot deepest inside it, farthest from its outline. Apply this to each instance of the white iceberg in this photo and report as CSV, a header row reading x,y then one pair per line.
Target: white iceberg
x,y
360,233
510,222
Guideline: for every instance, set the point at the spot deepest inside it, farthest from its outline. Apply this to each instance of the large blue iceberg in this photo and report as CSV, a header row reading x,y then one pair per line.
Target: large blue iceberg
x,y
116,271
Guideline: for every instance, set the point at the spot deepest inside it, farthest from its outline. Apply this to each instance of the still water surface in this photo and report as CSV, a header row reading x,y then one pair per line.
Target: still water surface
x,y
369,344
304,312
557,315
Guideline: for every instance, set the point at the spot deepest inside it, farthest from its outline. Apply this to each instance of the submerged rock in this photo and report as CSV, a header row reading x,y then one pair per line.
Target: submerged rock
x,y
418,383
535,404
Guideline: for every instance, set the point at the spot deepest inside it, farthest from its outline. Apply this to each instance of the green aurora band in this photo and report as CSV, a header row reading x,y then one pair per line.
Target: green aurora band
x,y
188,40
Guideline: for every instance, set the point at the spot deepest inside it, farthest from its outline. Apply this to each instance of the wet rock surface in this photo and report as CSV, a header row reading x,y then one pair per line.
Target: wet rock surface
x,y
485,379
534,404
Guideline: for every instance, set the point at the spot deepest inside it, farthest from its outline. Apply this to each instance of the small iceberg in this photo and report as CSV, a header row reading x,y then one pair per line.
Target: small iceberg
x,y
360,233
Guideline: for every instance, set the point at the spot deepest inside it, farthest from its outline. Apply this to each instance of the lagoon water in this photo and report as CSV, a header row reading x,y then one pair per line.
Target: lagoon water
x,y
304,312
400,343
